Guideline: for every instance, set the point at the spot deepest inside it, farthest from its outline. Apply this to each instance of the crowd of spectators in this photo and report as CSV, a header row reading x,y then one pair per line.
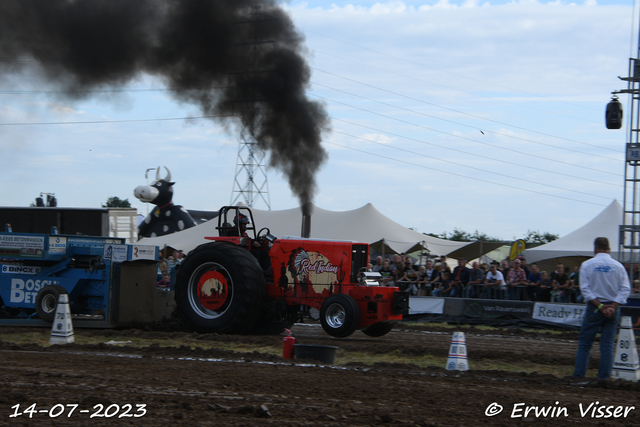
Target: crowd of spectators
x,y
166,269
634,277
512,280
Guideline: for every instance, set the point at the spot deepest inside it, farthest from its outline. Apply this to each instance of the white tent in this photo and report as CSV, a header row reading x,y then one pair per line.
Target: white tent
x,y
365,224
578,245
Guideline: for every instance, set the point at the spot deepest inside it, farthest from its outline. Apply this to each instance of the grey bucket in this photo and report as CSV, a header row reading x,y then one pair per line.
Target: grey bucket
x,y
322,353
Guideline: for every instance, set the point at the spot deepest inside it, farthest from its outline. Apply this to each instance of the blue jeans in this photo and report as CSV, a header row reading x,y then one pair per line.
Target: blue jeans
x,y
593,322
513,293
437,293
474,291
499,293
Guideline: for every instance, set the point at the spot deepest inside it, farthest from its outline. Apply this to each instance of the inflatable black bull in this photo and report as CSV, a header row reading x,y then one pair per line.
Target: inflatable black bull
x,y
167,218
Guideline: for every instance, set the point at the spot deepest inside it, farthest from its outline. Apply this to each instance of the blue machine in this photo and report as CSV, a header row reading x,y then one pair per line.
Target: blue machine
x,y
98,273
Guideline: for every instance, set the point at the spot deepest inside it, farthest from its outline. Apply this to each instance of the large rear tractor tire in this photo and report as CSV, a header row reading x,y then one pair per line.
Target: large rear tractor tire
x,y
379,329
340,315
220,288
47,301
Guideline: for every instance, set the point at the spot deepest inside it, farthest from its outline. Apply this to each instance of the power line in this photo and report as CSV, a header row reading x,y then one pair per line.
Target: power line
x,y
441,70
476,141
458,90
94,91
113,121
408,97
477,155
333,118
475,168
467,114
463,176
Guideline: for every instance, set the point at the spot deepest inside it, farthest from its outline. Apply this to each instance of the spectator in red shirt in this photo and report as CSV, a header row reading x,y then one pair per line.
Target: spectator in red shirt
x,y
515,278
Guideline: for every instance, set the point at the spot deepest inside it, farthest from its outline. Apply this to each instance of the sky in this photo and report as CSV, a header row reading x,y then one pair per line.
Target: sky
x,y
480,116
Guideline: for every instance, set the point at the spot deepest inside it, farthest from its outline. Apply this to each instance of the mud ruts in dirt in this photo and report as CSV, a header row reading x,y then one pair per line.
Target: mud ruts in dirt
x,y
185,386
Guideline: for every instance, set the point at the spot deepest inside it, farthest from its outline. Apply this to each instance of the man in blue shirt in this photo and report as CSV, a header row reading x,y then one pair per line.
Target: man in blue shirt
x,y
604,283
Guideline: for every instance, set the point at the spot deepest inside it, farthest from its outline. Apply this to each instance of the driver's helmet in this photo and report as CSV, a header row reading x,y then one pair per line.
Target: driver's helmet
x,y
242,219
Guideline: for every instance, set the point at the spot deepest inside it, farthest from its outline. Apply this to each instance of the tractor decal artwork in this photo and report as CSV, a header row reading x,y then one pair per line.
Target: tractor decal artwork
x,y
298,255
212,290
306,268
318,267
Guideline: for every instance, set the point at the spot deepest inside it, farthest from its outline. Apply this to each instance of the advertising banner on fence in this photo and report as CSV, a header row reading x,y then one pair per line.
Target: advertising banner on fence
x,y
426,305
568,314
494,309
571,314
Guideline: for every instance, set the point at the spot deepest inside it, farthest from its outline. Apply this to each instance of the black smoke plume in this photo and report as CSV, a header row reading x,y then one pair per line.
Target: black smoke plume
x,y
237,58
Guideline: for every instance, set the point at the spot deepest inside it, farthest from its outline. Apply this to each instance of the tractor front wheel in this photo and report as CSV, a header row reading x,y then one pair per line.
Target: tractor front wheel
x,y
340,315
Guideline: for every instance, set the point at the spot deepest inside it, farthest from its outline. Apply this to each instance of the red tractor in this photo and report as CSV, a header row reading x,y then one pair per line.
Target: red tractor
x,y
245,281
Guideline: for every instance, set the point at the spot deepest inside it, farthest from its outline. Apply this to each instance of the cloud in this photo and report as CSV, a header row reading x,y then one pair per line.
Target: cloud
x,y
378,138
61,110
415,77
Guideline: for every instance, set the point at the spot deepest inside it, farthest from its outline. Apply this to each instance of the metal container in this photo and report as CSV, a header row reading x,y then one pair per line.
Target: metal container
x,y
323,353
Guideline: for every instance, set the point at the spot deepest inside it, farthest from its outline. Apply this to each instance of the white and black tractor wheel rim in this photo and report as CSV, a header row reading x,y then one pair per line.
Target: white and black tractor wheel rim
x,y
210,290
335,315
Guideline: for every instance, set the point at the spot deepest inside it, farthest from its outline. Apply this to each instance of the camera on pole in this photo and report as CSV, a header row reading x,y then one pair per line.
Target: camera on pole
x,y
613,114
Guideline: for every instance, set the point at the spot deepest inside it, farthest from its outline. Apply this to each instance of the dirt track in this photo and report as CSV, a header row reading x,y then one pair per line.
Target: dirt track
x,y
180,386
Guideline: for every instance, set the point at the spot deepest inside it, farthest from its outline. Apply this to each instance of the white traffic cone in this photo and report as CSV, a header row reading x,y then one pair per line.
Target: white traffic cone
x,y
625,360
458,353
62,328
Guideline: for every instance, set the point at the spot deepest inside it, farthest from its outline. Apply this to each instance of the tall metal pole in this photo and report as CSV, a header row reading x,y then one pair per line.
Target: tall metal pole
x,y
146,176
250,181
629,239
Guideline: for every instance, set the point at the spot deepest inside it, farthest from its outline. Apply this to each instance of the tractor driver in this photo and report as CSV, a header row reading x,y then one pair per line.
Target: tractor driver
x,y
243,220
260,251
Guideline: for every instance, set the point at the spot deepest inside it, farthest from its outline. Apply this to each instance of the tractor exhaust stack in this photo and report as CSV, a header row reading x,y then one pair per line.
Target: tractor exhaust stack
x,y
305,233
306,226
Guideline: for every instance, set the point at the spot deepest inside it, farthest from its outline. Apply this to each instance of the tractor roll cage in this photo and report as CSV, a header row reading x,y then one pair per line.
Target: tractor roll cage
x,y
226,227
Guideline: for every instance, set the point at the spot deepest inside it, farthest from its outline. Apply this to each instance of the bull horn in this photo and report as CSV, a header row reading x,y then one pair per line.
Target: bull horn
x,y
167,178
